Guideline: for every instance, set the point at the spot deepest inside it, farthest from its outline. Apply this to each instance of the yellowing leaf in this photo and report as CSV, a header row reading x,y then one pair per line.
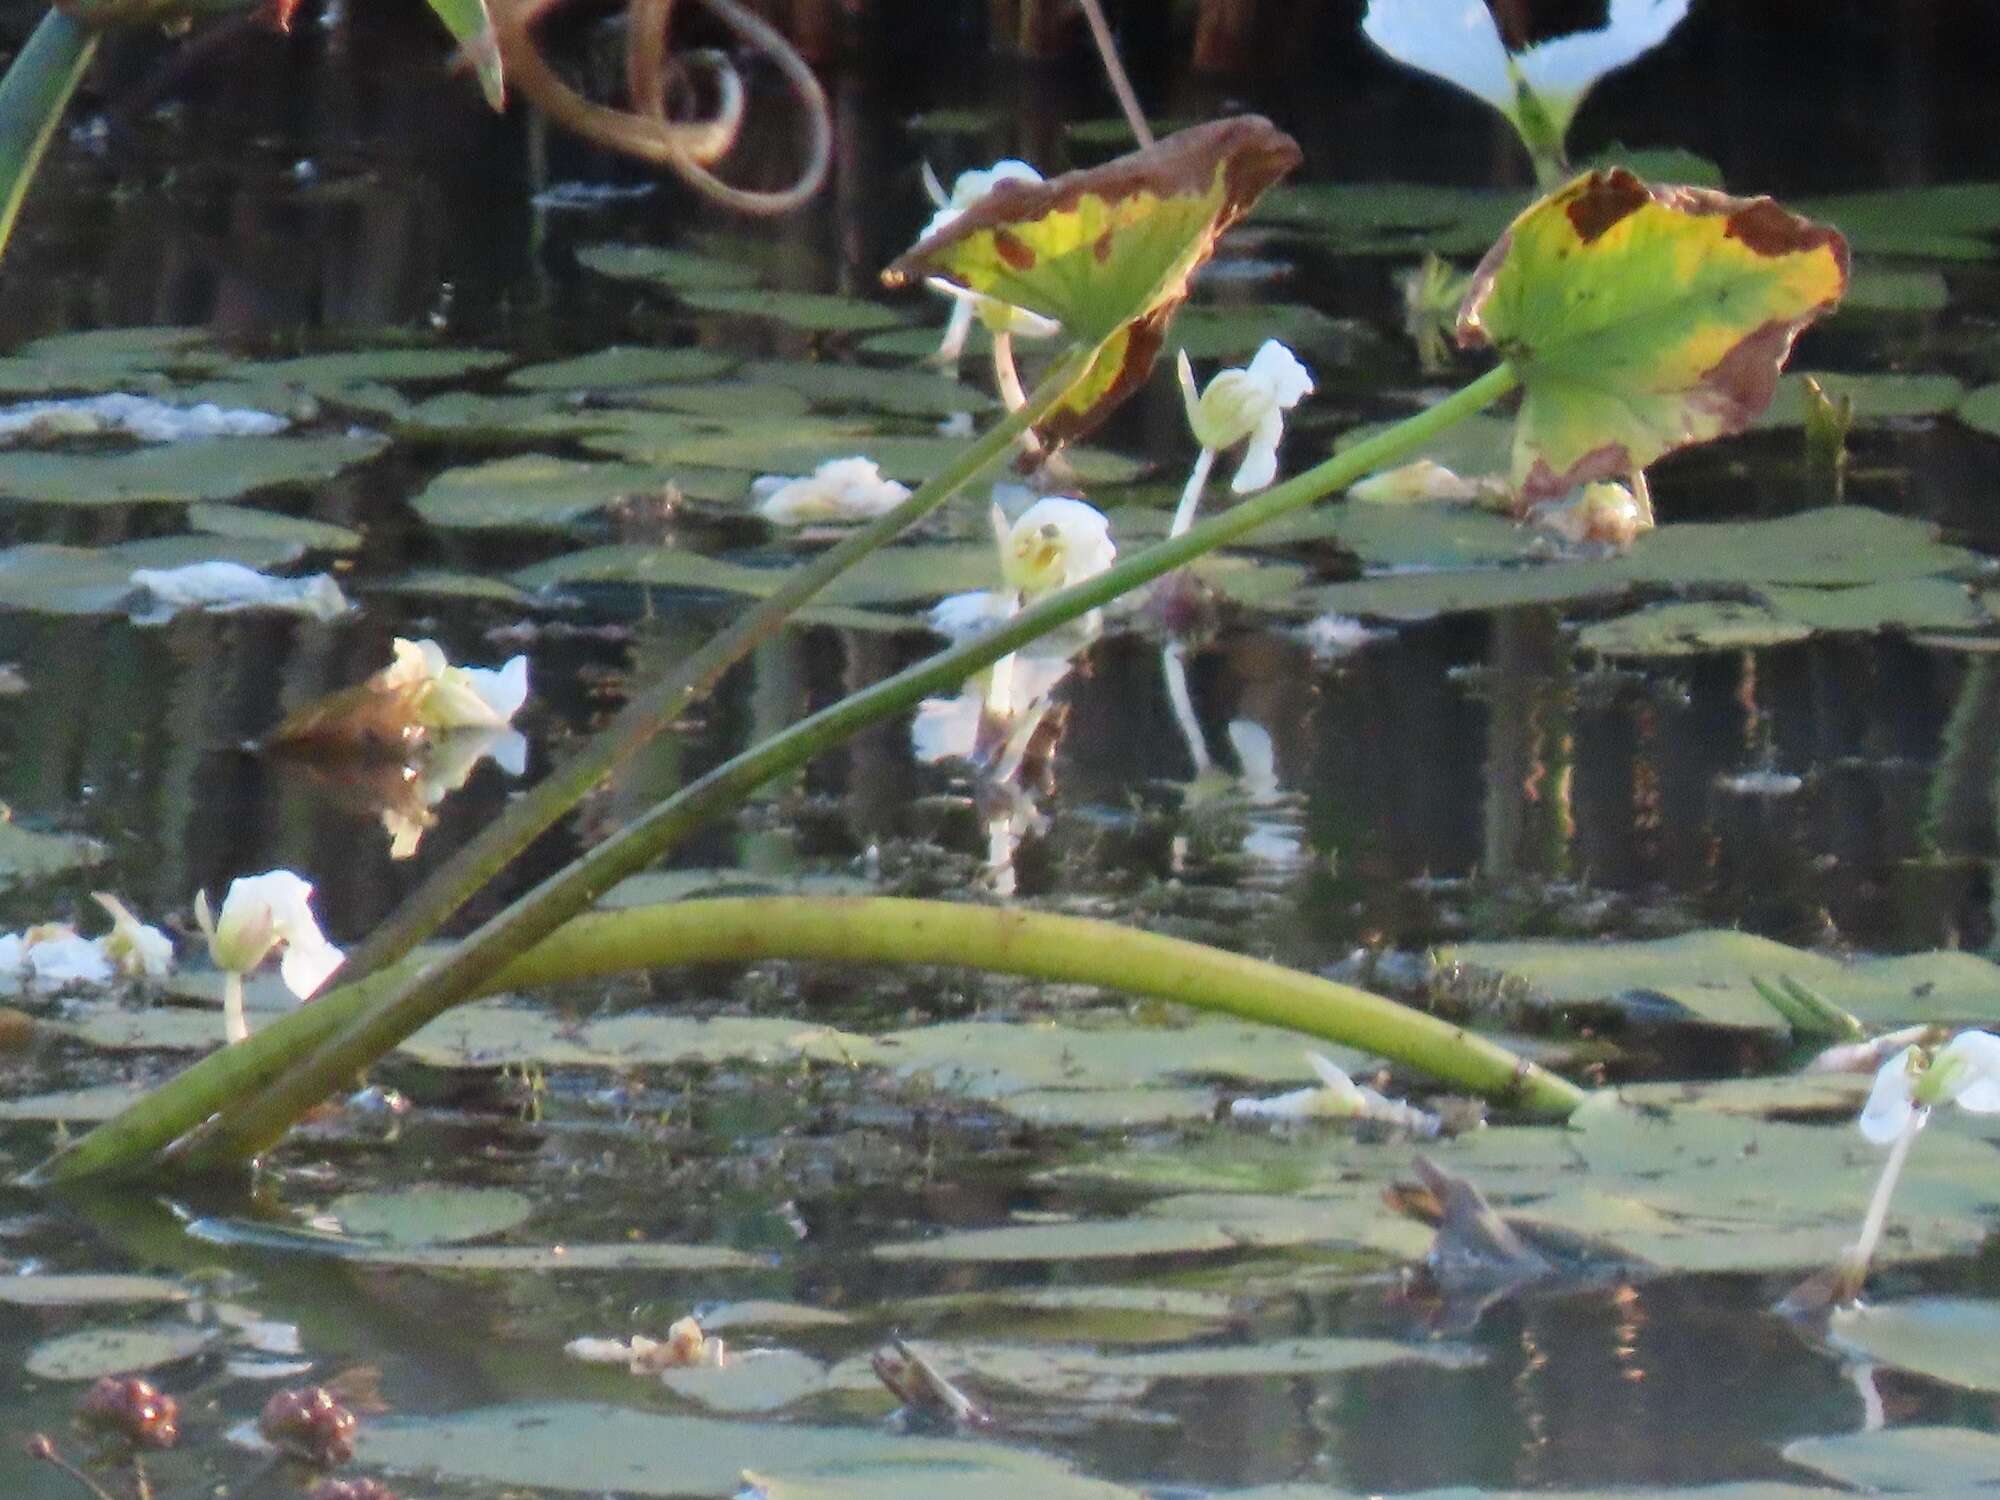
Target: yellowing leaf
x,y
1641,319
1108,252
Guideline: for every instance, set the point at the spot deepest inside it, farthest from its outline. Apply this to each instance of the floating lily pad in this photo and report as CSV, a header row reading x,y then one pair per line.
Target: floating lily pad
x,y
894,575
754,1312
28,855
753,1380
468,417
1167,1228
529,491
241,522
1952,1339
1708,973
1423,596
115,1351
1210,331
1690,629
74,1105
327,372
1946,221
1980,410
754,444
98,580
1904,604
677,270
89,1289
102,360
919,393
1877,398
1892,289
430,1213
620,366
439,584
572,1446
492,1033
1396,218
1934,1459
720,401
636,1256
815,312
206,469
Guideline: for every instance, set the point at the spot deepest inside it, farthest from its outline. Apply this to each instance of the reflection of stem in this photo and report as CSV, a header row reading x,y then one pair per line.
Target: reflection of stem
x,y
1862,1373
1173,662
235,1025
1197,480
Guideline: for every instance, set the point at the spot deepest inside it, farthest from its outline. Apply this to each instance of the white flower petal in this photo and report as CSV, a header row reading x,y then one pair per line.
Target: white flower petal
x,y
1889,1109
1455,40
1259,465
1278,370
307,964
1056,542
960,617
841,489
67,958
1971,1061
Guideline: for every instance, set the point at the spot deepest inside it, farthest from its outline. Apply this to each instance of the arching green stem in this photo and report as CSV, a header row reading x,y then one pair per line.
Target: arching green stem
x,y
247,1127
881,930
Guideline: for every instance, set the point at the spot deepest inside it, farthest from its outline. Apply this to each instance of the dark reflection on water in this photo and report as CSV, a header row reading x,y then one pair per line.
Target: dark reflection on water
x,y
1471,777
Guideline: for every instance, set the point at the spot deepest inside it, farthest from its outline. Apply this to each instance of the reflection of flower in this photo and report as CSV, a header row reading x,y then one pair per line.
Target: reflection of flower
x,y
1538,89
447,765
1247,403
448,697
841,489
1966,1071
262,913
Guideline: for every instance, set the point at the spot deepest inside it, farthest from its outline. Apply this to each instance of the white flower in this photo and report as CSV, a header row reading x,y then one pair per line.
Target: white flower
x,y
1457,40
263,912
222,587
1966,1070
1247,403
448,697
968,188
841,489
138,951
1337,1097
1055,543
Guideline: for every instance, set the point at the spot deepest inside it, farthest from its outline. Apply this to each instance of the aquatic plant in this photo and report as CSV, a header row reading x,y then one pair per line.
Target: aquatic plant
x,y
262,915
1636,319
1245,406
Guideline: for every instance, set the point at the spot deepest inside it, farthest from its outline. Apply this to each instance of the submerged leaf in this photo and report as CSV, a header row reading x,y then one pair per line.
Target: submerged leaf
x,y
1642,319
1108,252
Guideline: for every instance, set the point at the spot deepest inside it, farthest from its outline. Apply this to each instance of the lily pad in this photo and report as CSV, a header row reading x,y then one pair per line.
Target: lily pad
x,y
1690,629
330,372
815,312
1881,397
530,491
1213,331
1708,973
1903,1458
89,1289
677,270
28,855
207,469
92,1352
430,1213
1952,1339
753,1380
575,1447
1904,604
1896,289
719,401
918,393
98,580
301,532
1944,221
620,366
74,1105
635,1256
469,417
1980,410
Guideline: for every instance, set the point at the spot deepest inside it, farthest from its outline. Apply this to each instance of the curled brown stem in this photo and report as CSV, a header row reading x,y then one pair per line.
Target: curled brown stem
x,y
686,148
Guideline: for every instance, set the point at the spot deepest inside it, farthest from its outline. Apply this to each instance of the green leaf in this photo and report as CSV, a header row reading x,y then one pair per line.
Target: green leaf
x,y
472,25
1642,319
1108,252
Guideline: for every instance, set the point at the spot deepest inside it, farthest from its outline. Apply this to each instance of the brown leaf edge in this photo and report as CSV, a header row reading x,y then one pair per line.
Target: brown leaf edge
x,y
1253,152
1740,385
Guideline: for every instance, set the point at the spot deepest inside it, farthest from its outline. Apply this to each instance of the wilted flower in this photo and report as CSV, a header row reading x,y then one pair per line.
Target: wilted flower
x,y
1605,513
1247,403
841,489
1966,1071
132,1411
260,913
1337,1097
1055,543
1425,479
135,949
1538,89
684,1347
309,1423
446,697
224,587
55,954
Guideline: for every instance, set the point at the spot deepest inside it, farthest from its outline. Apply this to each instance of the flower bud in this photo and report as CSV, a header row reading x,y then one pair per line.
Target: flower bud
x,y
309,1423
132,1411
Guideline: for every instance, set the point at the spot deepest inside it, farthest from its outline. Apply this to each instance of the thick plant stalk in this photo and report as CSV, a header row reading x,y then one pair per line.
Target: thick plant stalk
x,y
454,882
250,1126
33,96
874,930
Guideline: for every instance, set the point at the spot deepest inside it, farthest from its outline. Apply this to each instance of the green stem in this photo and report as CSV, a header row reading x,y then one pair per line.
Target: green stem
x,y
247,1127
454,882
1011,940
33,96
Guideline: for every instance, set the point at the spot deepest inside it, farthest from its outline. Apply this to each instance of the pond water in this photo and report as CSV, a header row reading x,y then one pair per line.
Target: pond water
x,y
1761,745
